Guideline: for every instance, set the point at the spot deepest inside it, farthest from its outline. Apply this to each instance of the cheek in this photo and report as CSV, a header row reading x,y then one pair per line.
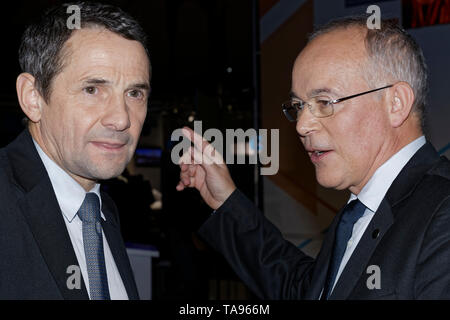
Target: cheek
x,y
348,134
55,127
76,133
359,141
137,119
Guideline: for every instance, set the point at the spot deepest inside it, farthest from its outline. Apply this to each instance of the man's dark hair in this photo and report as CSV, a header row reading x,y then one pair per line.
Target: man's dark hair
x,y
41,51
393,54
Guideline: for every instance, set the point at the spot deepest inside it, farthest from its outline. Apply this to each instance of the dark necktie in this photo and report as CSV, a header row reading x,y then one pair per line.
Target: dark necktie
x,y
352,212
89,214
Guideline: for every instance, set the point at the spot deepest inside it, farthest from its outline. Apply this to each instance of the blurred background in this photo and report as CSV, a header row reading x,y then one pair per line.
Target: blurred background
x,y
227,63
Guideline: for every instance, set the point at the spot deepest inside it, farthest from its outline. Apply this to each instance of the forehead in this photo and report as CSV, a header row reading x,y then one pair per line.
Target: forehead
x,y
334,61
97,49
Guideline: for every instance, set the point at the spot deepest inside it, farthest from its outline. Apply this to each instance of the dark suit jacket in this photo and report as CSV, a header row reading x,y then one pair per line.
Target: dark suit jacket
x,y
35,247
408,239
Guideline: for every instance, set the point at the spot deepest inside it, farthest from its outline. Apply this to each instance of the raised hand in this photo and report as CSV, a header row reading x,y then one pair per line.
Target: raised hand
x,y
203,168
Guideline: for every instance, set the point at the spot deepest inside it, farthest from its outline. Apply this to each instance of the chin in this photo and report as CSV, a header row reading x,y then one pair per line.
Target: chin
x,y
330,182
105,173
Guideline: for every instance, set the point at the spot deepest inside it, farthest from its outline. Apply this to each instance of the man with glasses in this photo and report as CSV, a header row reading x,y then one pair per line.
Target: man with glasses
x,y
357,99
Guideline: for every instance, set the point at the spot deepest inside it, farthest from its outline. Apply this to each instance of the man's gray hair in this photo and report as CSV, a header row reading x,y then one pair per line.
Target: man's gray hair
x,y
393,56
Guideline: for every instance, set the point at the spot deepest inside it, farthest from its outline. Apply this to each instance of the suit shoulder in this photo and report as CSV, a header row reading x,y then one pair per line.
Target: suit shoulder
x,y
442,168
9,188
432,194
5,166
3,158
430,190
440,174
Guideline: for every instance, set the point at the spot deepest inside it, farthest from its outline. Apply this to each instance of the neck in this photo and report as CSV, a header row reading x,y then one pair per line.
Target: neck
x,y
386,152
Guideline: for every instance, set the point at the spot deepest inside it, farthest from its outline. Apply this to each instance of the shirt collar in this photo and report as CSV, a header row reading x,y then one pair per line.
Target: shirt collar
x,y
69,193
376,188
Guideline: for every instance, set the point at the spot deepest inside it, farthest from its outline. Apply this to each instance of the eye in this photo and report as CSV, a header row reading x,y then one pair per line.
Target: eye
x,y
138,94
322,102
91,90
297,105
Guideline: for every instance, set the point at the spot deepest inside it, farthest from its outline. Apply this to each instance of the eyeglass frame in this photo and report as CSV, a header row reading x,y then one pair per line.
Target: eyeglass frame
x,y
332,102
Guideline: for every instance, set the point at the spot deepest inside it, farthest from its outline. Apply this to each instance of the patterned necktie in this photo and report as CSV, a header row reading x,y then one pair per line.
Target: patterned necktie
x,y
89,214
352,212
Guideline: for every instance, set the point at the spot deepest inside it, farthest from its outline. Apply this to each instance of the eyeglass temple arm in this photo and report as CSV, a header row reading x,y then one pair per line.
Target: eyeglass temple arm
x,y
359,94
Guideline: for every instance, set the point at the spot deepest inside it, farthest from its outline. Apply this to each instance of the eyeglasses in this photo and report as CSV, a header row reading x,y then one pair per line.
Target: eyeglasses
x,y
319,106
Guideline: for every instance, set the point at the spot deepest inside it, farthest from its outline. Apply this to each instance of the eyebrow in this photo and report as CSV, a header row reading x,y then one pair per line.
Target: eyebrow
x,y
312,93
139,85
316,92
293,95
96,81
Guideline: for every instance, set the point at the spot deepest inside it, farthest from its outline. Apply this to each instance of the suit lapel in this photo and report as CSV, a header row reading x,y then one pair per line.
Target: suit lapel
x,y
42,213
322,262
402,187
356,266
118,250
45,220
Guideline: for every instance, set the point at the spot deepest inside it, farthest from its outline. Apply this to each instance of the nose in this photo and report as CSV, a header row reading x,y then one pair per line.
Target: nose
x,y
117,115
307,123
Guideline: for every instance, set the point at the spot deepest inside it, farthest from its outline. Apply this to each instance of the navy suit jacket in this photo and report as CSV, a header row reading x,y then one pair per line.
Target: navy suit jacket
x,y
35,247
408,239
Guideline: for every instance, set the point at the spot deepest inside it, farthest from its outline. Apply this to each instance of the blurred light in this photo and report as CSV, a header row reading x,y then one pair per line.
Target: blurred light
x,y
252,145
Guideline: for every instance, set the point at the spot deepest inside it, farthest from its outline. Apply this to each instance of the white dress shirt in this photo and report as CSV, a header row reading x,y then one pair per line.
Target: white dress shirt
x,y
373,193
70,196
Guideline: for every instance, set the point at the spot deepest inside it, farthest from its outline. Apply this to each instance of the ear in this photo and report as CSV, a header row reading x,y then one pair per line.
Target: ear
x,y
400,103
29,98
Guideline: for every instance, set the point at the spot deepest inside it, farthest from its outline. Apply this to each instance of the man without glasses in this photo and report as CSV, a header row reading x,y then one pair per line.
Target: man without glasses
x,y
85,94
